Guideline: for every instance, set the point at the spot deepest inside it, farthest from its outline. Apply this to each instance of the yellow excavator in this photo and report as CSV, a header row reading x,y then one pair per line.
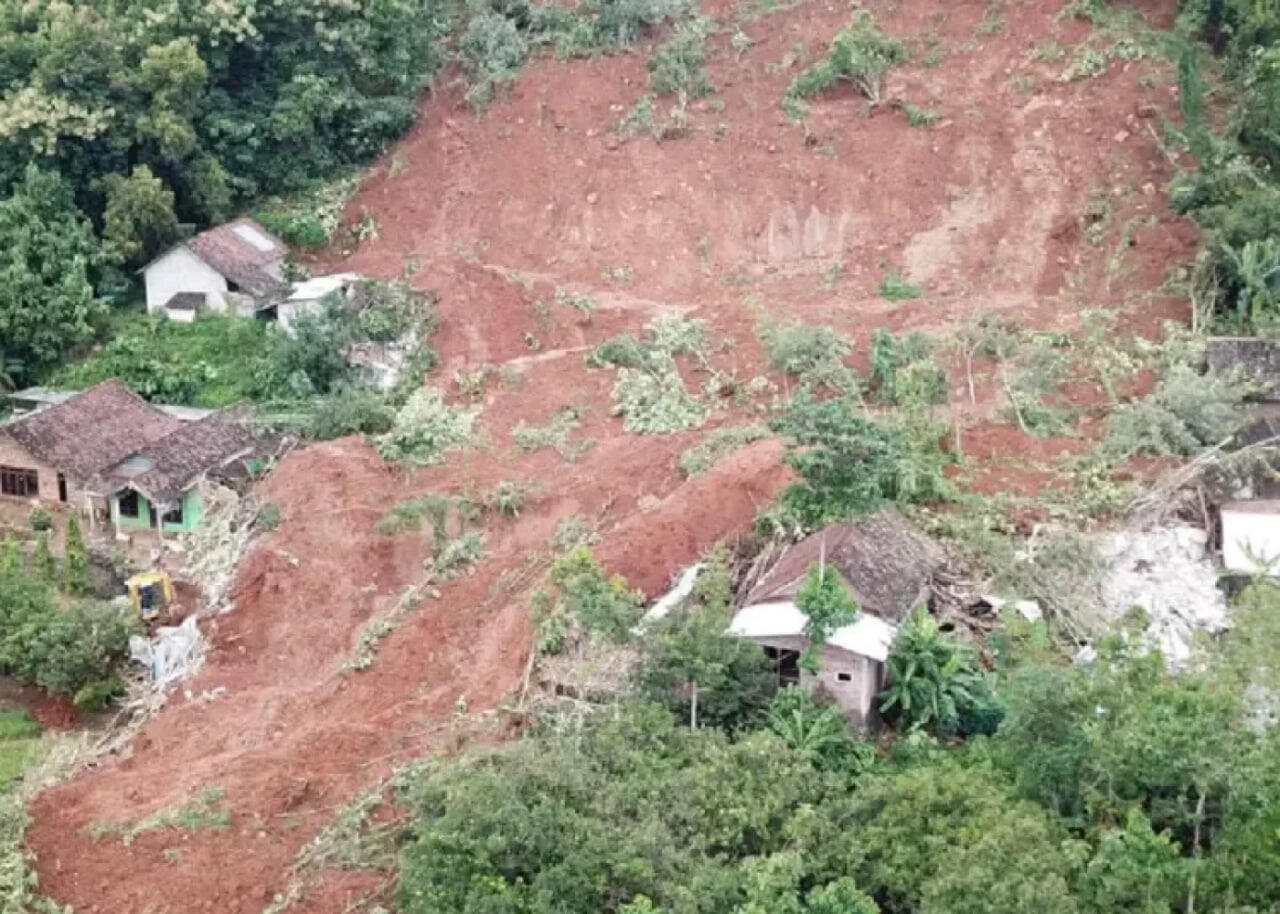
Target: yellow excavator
x,y
150,594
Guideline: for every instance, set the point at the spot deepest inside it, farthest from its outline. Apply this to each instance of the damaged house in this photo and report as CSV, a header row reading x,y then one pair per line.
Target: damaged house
x,y
889,570
119,459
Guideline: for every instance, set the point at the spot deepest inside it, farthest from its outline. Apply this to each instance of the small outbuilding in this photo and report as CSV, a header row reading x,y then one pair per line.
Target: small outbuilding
x,y
889,570
231,268
307,297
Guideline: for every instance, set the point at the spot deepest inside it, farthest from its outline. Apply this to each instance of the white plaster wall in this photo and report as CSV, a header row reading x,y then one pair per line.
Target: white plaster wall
x,y
182,271
1250,541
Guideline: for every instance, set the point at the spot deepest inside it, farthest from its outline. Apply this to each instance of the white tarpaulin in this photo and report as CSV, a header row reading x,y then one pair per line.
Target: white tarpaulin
x,y
171,654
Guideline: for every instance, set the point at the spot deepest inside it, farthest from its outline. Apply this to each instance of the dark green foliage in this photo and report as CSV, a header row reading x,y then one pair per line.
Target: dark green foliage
x,y
492,49
852,464
634,805
49,262
62,650
935,683
824,599
733,677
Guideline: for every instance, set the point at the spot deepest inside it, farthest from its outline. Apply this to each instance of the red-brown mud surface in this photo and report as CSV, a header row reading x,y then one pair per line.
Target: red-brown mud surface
x,y
748,214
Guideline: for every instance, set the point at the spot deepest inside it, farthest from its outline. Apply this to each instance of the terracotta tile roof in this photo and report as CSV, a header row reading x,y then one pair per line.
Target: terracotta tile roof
x,y
245,253
887,565
167,466
91,431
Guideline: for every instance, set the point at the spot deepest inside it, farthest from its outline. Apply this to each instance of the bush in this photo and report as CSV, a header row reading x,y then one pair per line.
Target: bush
x,y
40,520
600,604
734,678
350,410
680,65
903,372
492,50
716,446
426,428
1186,413
813,354
655,401
75,560
861,54
621,23
60,650
895,288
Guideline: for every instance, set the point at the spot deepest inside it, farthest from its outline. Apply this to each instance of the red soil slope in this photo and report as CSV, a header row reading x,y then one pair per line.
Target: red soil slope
x,y
747,214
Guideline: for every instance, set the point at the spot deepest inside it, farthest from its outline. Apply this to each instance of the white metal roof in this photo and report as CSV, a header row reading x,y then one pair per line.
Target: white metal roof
x,y
320,286
870,636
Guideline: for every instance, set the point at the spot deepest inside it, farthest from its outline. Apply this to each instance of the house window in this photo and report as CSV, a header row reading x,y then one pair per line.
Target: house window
x,y
786,663
19,482
62,487
844,677
174,514
128,502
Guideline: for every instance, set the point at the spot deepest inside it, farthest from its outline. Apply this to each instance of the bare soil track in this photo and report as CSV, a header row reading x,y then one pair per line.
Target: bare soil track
x,y
747,214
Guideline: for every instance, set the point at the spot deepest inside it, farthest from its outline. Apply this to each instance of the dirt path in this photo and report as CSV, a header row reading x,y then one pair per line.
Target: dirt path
x,y
747,215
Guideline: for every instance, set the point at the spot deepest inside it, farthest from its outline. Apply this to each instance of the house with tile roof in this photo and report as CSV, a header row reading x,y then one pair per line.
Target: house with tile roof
x,y
119,459
231,268
887,568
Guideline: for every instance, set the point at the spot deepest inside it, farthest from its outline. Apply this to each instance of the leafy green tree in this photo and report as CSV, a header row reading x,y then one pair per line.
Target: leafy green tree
x,y
824,599
733,677
139,218
48,260
75,560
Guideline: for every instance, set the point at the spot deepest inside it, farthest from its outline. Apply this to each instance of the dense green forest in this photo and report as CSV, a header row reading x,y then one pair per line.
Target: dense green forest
x,y
121,122
1108,787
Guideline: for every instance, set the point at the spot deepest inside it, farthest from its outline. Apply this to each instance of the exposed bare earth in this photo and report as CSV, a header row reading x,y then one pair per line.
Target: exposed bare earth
x,y
498,211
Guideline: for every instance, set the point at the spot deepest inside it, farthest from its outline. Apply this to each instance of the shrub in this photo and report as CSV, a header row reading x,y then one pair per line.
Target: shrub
x,y
45,564
903,371
268,516
734,679
624,351
426,428
861,54
814,354
680,65
60,650
40,520
621,23
350,410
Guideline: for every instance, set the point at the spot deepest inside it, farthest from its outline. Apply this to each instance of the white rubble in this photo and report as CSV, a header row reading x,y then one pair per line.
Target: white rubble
x,y
1167,573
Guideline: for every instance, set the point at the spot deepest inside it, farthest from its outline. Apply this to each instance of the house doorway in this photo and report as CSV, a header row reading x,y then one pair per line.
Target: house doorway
x,y
62,488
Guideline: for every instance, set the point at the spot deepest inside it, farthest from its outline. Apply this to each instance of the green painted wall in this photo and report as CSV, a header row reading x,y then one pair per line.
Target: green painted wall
x,y
192,512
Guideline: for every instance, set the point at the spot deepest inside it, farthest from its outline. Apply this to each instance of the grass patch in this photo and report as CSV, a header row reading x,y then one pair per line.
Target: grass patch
x,y
206,809
718,445
19,738
553,434
310,217
918,116
894,287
